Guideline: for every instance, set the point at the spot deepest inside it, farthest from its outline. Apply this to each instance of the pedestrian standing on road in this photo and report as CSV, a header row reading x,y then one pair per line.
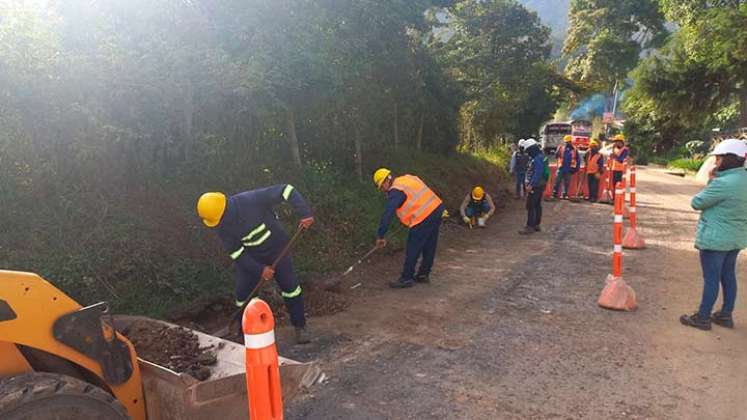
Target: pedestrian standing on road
x,y
618,161
721,234
594,170
421,210
568,164
254,239
536,180
519,163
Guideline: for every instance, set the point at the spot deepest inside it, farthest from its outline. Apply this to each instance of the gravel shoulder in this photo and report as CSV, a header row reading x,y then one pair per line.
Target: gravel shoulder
x,y
509,327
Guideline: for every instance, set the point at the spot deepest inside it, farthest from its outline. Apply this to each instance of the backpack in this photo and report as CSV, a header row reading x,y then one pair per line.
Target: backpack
x,y
522,161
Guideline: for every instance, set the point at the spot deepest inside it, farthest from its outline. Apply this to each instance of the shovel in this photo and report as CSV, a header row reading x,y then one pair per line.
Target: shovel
x,y
335,281
226,331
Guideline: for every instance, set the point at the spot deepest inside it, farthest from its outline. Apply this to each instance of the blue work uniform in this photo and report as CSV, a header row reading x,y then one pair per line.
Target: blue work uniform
x,y
254,238
422,239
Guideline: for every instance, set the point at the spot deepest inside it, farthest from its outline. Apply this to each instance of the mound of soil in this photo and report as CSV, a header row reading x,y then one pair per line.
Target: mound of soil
x,y
177,349
319,302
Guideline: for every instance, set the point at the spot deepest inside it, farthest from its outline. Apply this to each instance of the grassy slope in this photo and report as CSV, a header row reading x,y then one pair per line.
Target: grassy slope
x,y
142,248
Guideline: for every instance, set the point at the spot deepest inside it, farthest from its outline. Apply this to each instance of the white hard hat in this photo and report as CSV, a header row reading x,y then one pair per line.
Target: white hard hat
x,y
731,147
521,142
529,143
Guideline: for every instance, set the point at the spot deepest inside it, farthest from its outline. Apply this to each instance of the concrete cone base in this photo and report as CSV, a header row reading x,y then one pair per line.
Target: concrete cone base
x,y
617,295
633,240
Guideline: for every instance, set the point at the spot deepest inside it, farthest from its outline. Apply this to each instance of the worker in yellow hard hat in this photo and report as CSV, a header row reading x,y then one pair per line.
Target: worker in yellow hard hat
x,y
477,207
618,160
569,163
594,169
418,208
253,238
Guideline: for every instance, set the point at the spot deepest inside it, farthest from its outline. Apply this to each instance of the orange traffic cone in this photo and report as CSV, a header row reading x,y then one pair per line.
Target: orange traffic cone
x,y
616,293
262,367
632,239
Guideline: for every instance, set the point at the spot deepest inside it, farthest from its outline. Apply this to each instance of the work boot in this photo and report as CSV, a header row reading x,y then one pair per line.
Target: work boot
x,y
696,321
537,229
528,230
302,336
422,278
565,196
401,283
724,320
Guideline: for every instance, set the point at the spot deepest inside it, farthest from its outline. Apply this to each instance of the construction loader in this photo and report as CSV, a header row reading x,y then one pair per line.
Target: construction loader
x,y
59,360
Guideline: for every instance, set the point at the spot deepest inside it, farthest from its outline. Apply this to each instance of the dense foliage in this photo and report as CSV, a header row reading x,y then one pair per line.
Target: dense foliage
x,y
116,115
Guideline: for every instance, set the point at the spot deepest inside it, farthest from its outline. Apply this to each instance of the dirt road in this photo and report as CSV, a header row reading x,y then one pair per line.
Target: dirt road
x,y
510,329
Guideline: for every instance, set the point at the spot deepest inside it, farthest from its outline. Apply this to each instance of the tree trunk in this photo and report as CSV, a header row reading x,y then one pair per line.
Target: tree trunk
x,y
396,126
293,139
743,105
420,131
358,152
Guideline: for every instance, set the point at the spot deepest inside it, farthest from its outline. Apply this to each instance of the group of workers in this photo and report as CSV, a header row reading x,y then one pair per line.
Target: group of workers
x,y
254,238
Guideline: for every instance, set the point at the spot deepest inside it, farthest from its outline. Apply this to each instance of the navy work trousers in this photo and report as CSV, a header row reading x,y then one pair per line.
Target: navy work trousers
x,y
719,269
593,187
534,206
287,282
422,240
565,178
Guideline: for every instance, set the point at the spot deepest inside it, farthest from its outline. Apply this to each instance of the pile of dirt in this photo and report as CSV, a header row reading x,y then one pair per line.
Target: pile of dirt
x,y
175,348
319,302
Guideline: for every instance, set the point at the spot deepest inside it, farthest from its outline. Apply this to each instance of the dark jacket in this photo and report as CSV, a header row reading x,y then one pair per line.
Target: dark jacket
x,y
250,230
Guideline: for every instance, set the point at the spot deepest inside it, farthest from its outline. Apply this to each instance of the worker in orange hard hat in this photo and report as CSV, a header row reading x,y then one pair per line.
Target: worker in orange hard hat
x,y
594,169
254,239
421,210
568,164
477,207
618,160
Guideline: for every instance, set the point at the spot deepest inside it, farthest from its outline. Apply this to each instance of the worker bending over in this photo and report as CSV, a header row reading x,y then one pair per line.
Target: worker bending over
x,y
568,164
536,181
418,208
594,170
253,238
477,207
618,160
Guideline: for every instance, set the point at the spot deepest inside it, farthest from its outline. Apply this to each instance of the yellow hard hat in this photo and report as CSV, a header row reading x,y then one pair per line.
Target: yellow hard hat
x,y
478,193
567,138
380,175
619,137
594,142
210,208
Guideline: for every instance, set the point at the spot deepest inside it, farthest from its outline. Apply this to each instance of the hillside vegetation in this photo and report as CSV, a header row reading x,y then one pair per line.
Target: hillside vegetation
x,y
117,115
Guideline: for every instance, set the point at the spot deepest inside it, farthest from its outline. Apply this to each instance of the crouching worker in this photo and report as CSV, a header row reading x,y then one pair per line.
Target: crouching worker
x,y
253,238
477,207
418,208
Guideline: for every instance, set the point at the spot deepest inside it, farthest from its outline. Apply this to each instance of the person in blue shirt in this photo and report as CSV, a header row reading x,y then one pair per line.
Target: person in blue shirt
x,y
518,167
421,210
253,237
568,164
536,181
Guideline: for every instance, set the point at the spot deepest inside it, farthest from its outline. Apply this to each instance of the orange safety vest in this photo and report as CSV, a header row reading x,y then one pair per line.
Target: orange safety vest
x,y
618,166
561,155
420,203
592,166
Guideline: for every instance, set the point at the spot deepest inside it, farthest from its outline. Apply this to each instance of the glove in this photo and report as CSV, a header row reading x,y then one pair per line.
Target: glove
x,y
380,243
481,222
466,220
306,223
268,273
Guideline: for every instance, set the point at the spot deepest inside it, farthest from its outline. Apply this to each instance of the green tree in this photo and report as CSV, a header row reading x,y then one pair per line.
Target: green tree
x,y
498,51
606,37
